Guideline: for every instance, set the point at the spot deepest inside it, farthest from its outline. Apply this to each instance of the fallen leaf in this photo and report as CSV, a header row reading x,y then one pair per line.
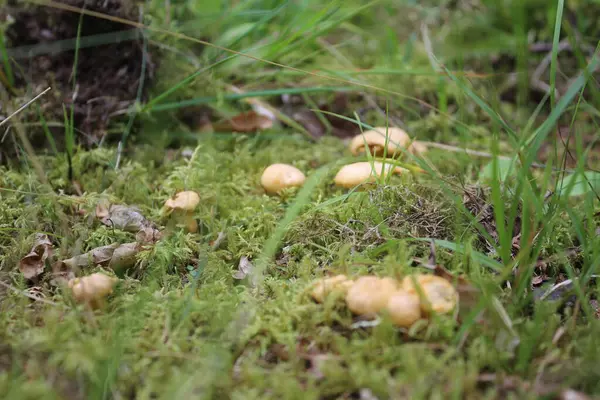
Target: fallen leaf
x,y
97,256
538,280
32,265
245,122
126,218
244,268
124,256
102,209
148,235
116,256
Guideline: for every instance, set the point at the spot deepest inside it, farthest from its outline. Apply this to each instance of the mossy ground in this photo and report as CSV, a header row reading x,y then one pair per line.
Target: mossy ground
x,y
179,325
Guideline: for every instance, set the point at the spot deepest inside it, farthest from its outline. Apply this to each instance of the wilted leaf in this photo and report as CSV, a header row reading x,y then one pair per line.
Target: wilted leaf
x,y
129,219
97,256
115,256
148,235
124,256
245,122
32,265
244,268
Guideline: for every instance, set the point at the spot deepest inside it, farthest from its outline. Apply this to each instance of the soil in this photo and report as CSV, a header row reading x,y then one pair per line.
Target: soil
x,y
107,76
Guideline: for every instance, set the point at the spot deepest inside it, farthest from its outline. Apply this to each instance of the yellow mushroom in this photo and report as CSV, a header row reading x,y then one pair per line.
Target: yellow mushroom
x,y
404,308
439,294
370,294
354,174
376,140
323,287
277,177
92,289
182,206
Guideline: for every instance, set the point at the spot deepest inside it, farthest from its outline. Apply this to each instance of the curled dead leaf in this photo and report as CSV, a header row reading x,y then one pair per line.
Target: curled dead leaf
x,y
128,219
124,256
116,256
32,264
245,268
148,235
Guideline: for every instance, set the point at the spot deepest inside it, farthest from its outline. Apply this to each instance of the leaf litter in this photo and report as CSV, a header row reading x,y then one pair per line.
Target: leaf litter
x,y
33,263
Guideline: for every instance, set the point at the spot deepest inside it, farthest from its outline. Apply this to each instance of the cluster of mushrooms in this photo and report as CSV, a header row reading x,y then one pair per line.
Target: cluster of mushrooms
x,y
406,301
366,295
92,290
381,141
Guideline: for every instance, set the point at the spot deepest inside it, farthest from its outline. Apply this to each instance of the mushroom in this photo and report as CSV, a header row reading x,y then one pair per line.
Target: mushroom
x,y
281,176
92,289
323,287
354,174
182,205
370,294
376,140
439,294
404,308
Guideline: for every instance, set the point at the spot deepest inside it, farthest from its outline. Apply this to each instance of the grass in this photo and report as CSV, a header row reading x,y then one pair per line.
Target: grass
x,y
179,324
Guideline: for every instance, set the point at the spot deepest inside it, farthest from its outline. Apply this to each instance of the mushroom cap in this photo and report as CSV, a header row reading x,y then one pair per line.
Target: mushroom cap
x,y
323,287
281,176
370,294
187,200
354,174
376,140
92,287
440,296
404,308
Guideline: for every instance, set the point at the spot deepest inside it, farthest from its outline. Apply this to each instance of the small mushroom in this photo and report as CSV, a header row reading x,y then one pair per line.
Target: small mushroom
x,y
404,308
354,174
277,177
370,294
376,139
439,294
182,206
323,287
92,289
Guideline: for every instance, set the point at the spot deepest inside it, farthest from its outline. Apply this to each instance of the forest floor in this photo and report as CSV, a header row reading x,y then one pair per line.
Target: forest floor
x,y
503,205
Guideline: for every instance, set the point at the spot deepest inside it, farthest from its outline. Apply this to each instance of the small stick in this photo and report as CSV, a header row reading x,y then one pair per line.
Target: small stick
x,y
24,106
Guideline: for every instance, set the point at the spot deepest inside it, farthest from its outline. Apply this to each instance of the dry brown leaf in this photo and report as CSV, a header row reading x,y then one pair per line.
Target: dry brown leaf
x,y
128,219
148,235
124,256
245,122
116,256
97,256
32,265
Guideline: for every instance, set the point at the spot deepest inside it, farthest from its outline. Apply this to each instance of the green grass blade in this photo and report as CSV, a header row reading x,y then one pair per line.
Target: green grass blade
x,y
554,62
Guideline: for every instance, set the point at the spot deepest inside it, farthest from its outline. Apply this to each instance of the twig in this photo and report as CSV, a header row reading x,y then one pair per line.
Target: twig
x,y
24,106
